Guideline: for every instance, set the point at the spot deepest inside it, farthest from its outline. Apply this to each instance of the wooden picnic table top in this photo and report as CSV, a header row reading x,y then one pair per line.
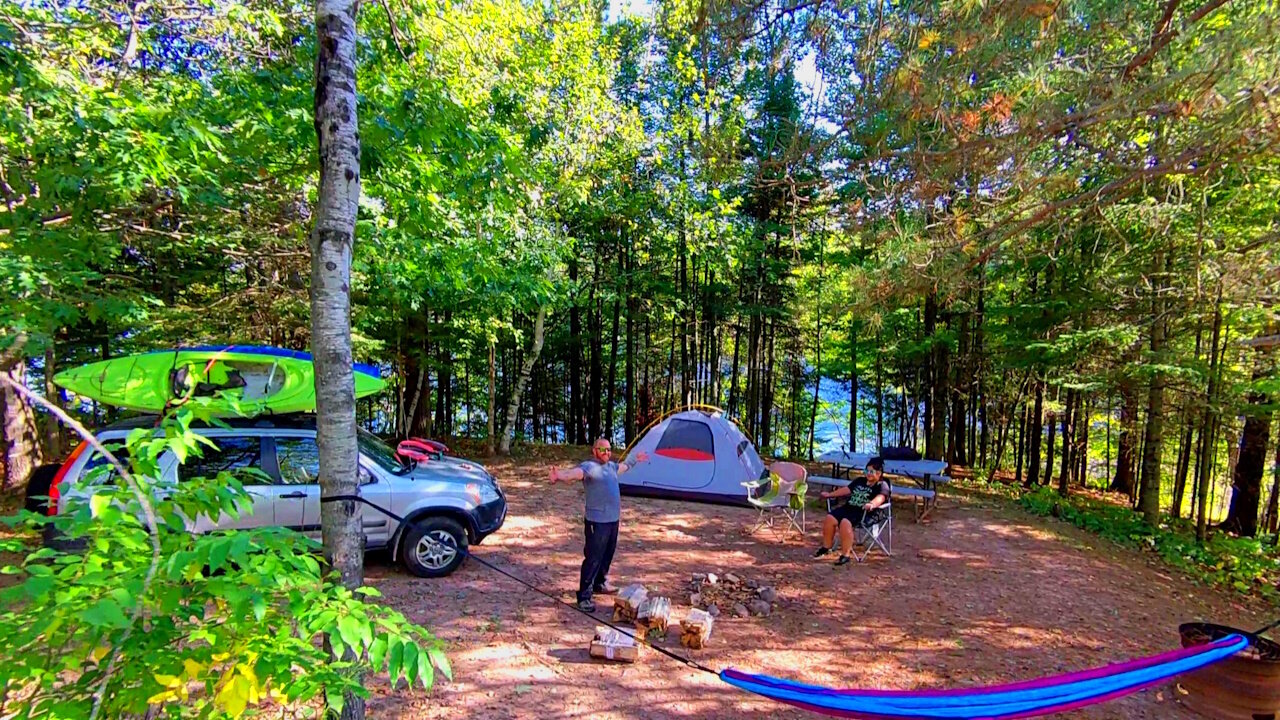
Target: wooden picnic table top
x,y
894,489
917,469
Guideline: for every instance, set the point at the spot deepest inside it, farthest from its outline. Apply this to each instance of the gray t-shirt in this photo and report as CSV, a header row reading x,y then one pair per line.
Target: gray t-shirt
x,y
604,503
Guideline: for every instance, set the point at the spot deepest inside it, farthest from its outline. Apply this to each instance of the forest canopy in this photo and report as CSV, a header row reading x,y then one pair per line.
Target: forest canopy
x,y
1029,238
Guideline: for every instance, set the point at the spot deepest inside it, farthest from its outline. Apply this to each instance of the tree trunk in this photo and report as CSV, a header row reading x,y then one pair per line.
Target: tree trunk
x,y
1123,482
412,416
1064,480
630,391
1069,431
513,408
1246,481
53,429
1149,499
817,383
332,239
879,371
733,376
19,438
574,431
611,398
1184,444
1206,427
493,396
1184,464
980,415
1035,434
957,430
684,325
444,380
934,404
1273,507
767,388
1048,462
1081,446
853,388
597,375
1021,446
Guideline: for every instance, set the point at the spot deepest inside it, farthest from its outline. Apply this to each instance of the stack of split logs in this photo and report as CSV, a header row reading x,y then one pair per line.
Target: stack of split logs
x,y
626,604
695,629
609,644
651,615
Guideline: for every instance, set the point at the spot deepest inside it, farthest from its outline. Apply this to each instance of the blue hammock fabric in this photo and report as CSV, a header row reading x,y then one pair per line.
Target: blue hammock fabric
x,y
1003,702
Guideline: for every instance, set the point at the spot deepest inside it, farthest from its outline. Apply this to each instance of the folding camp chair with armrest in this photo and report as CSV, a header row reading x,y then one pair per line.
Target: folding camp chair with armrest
x,y
781,492
871,534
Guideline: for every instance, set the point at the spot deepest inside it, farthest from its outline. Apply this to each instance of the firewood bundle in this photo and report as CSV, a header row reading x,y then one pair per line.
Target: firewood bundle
x,y
653,616
626,604
695,629
609,644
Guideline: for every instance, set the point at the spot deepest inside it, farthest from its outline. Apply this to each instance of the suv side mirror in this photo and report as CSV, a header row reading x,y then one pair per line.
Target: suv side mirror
x,y
365,477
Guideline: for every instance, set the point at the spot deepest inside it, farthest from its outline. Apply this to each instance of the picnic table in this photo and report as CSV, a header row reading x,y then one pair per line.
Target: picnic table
x,y
924,500
927,474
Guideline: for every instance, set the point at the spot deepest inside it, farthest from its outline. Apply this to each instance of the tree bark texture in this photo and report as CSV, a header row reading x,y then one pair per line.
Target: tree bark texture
x,y
332,238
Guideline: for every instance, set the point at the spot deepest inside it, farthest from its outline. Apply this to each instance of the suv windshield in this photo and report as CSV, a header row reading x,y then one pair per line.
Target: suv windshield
x,y
381,453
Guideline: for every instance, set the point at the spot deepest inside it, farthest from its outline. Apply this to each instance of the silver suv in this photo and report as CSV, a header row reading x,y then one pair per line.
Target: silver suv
x,y
447,503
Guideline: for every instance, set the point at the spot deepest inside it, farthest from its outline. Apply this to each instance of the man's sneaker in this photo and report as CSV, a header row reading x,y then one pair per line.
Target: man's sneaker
x,y
844,560
822,552
605,589
586,606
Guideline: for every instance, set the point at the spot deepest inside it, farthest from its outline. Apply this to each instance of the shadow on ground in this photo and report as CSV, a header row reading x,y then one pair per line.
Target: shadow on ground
x,y
981,594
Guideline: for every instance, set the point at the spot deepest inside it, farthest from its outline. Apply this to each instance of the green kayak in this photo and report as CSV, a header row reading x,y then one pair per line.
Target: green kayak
x,y
234,379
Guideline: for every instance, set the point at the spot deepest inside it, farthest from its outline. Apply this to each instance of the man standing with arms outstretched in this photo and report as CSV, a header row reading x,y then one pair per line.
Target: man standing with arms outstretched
x,y
599,477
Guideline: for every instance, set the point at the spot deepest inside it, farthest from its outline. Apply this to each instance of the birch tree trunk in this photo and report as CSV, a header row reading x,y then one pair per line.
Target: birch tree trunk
x,y
513,408
332,238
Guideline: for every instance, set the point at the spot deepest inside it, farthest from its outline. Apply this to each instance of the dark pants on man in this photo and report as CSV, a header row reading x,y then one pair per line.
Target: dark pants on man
x,y
597,555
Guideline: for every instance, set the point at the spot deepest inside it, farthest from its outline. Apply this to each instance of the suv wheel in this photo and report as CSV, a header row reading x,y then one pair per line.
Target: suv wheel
x,y
434,547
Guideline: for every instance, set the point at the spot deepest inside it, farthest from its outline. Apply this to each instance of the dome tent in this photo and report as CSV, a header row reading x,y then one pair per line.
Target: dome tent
x,y
695,453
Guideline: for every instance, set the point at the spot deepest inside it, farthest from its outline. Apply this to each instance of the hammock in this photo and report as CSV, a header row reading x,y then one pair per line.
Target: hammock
x,y
1018,700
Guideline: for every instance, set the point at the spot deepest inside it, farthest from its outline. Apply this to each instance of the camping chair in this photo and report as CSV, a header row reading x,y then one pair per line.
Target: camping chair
x,y
870,535
875,535
780,492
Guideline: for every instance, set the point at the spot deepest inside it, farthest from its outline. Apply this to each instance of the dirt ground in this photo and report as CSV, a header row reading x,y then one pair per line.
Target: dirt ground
x,y
980,594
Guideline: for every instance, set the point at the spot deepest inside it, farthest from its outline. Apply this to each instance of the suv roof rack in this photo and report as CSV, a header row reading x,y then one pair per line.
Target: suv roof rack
x,y
293,421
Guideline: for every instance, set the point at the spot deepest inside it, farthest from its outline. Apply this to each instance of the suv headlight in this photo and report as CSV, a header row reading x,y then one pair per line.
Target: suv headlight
x,y
483,493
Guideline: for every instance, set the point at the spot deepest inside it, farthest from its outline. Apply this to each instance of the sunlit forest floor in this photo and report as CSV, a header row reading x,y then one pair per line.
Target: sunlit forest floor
x,y
982,593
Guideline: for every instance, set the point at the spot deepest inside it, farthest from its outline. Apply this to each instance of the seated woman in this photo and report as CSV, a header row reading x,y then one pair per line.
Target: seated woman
x,y
866,496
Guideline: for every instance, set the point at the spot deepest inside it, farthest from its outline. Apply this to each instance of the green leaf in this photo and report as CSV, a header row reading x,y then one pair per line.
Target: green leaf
x,y
98,503
353,632
378,653
410,662
218,553
441,662
105,613
395,660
